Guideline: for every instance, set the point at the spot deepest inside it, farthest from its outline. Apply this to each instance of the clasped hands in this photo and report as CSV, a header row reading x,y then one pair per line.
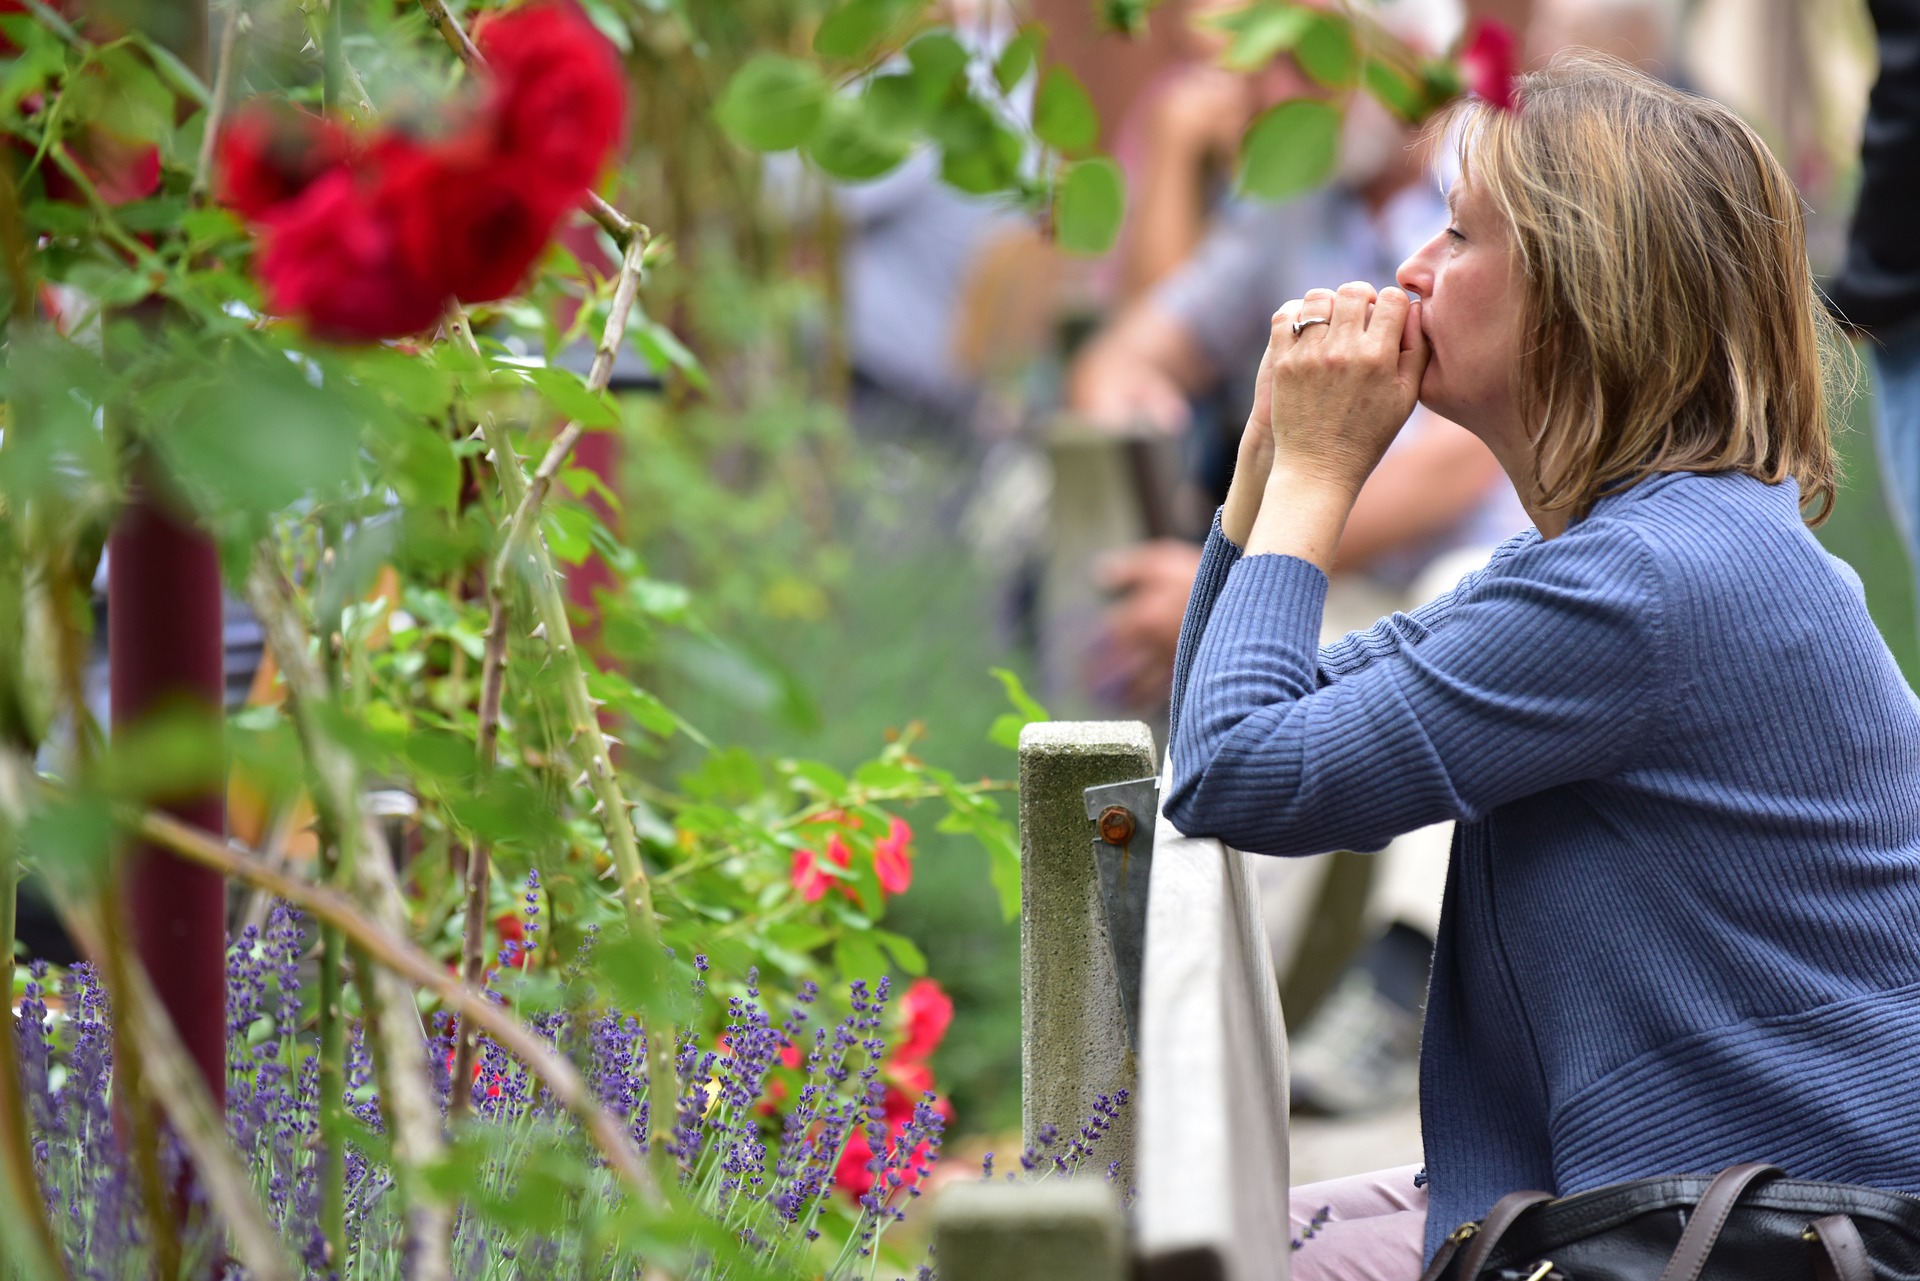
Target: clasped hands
x,y
1328,401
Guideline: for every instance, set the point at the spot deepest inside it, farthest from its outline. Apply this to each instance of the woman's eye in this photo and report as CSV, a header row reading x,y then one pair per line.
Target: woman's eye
x,y
1454,232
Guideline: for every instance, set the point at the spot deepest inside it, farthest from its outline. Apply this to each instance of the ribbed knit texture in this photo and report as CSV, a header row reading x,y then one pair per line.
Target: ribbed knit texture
x,y
1682,916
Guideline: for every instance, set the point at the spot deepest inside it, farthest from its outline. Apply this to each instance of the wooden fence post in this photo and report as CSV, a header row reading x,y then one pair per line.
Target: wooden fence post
x,y
1073,1044
1050,1231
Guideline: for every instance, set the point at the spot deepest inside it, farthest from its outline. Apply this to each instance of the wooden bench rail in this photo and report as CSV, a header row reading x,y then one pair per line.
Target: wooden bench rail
x,y
1212,1106
1204,1143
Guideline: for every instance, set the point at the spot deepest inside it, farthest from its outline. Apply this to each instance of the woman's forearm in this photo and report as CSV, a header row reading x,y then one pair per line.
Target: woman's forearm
x,y
1301,514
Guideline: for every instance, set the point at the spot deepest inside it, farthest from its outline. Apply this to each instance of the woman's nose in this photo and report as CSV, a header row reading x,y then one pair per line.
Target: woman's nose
x,y
1415,276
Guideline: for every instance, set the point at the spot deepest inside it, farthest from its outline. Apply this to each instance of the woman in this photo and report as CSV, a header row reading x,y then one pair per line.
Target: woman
x,y
1682,920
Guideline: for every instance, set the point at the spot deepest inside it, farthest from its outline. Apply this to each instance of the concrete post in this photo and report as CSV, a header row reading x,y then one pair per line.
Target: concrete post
x,y
1051,1231
1073,1043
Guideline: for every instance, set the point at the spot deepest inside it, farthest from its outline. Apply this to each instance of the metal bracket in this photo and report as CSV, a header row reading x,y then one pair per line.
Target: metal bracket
x,y
1123,815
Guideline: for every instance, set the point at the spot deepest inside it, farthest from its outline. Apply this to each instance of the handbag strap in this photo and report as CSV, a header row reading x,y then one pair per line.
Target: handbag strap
x,y
1709,1217
1493,1227
1842,1255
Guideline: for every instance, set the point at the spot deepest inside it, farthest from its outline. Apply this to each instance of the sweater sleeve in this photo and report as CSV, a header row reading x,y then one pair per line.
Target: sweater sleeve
x,y
1218,557
1548,672
1387,637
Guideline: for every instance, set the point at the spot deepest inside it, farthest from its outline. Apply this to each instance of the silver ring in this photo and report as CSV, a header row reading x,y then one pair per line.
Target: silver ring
x,y
1298,325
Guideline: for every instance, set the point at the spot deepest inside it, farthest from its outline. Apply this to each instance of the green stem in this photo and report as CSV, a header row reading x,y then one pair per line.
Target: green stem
x,y
332,1087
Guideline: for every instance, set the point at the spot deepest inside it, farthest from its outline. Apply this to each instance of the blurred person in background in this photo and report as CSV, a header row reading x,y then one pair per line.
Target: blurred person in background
x,y
1877,292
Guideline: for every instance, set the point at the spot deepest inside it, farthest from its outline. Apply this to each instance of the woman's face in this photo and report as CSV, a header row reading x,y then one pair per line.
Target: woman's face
x,y
1468,280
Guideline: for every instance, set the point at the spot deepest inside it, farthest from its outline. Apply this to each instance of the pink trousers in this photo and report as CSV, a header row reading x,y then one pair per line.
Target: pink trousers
x,y
1366,1227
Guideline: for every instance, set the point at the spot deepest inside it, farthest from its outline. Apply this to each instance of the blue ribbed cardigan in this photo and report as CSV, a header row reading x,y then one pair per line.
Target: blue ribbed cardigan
x,y
1682,916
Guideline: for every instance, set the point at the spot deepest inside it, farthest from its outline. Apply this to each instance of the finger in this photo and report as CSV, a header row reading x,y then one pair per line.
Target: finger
x,y
1317,305
1350,304
1283,318
1389,319
1413,349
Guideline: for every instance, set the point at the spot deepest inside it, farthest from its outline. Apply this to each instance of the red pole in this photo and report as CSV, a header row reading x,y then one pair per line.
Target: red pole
x,y
164,648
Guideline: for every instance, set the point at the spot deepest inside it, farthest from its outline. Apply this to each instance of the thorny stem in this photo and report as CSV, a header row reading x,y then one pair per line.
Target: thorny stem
x,y
398,1044
479,854
560,1077
623,229
527,510
585,737
365,868
176,1083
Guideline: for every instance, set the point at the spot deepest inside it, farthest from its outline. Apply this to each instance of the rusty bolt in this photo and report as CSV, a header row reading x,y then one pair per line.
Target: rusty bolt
x,y
1116,825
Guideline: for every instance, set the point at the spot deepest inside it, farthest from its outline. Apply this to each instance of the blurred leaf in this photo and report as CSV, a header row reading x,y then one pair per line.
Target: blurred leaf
x,y
1016,60
773,103
979,154
567,393
177,73
1063,114
136,103
70,842
855,143
158,213
566,528
1026,704
857,956
1005,730
58,218
507,809
1126,17
822,779
1327,51
884,776
938,61
419,463
1290,149
1397,91
168,754
667,602
663,349
730,776
350,576
851,31
260,434
1090,207
52,445
640,977
624,696
1261,32
905,953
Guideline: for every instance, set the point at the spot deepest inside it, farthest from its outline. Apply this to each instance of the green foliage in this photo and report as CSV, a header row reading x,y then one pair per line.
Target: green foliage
x,y
1289,149
1092,206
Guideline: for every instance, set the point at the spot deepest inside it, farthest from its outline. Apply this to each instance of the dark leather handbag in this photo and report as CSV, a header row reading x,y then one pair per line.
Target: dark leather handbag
x,y
1747,1223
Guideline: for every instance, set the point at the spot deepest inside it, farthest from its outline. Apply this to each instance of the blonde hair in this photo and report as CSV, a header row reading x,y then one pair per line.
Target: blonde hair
x,y
1672,321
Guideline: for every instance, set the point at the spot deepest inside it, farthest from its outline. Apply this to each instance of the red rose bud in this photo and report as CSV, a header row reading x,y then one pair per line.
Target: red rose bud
x,y
270,154
1490,61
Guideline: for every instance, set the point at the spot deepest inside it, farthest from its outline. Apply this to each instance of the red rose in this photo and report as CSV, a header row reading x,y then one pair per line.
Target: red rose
x,y
811,881
471,220
928,1012
336,257
558,97
893,857
270,154
1489,61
